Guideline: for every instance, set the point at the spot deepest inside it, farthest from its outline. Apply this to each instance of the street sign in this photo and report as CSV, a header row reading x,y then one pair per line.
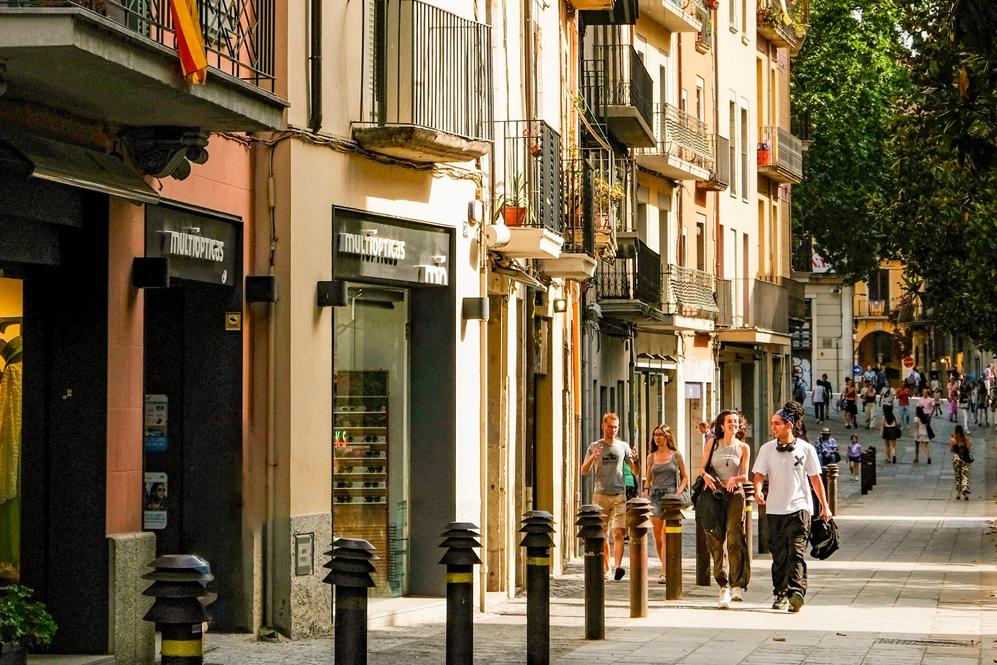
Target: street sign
x,y
857,370
908,361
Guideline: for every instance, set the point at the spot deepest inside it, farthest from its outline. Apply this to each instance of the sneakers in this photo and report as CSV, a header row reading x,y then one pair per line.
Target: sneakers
x,y
780,603
795,601
724,601
737,594
619,574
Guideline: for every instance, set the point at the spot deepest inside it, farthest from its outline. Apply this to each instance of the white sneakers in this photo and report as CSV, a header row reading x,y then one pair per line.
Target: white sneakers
x,y
737,594
725,597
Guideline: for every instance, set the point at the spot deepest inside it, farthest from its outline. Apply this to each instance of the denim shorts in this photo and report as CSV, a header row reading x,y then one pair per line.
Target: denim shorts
x,y
657,497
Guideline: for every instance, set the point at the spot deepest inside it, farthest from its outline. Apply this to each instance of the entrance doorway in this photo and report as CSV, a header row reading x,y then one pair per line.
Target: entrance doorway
x,y
370,479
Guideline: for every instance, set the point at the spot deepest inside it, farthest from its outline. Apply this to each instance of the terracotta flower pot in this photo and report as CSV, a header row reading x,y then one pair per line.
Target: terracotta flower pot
x,y
514,215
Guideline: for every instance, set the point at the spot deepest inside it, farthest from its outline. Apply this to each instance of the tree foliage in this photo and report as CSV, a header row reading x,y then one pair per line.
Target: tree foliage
x,y
844,82
940,212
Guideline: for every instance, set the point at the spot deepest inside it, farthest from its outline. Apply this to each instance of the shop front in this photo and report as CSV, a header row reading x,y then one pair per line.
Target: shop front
x,y
393,414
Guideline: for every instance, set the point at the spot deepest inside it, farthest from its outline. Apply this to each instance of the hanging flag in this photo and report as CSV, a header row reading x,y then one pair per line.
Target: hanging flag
x,y
190,41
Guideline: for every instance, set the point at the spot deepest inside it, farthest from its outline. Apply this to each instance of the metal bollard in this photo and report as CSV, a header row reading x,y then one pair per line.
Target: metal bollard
x,y
763,525
672,508
749,500
866,466
350,570
538,525
179,583
872,452
831,487
702,556
590,529
460,539
638,522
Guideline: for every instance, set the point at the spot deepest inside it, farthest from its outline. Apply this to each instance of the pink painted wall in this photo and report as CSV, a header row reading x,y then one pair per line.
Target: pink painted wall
x,y
223,184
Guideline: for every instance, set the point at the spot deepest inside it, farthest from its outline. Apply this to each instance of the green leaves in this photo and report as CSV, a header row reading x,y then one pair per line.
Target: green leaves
x,y
22,621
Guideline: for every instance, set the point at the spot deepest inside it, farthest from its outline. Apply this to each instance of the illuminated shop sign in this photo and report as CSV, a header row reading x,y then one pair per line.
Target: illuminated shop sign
x,y
371,247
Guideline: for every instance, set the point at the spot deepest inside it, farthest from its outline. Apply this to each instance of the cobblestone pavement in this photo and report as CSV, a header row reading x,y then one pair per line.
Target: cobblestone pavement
x,y
914,582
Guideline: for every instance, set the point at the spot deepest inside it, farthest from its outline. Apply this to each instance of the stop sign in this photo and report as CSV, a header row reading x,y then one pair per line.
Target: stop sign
x,y
908,361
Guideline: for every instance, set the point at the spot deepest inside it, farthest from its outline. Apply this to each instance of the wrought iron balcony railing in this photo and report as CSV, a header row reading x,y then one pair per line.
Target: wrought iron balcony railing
x,y
238,34
689,292
579,213
616,76
636,278
780,155
784,22
725,303
529,192
431,69
682,135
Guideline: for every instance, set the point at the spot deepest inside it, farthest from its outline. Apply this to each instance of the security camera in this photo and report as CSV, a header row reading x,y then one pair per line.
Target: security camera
x,y
836,291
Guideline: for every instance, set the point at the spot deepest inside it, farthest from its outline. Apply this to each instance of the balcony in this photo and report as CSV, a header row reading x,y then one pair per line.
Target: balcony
x,y
431,100
770,306
675,15
623,12
725,304
784,27
581,225
866,308
720,175
682,150
117,63
630,288
618,89
689,293
780,155
526,206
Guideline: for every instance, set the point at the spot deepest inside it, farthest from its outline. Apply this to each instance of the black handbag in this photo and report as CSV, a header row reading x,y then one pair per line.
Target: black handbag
x,y
965,455
823,538
699,484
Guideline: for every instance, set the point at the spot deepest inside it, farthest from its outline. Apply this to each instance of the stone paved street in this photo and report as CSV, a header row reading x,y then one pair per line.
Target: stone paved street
x,y
914,582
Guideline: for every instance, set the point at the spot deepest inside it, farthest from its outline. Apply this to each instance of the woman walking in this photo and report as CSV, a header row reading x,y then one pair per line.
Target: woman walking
x,y
921,440
869,403
851,410
961,458
725,471
889,427
666,474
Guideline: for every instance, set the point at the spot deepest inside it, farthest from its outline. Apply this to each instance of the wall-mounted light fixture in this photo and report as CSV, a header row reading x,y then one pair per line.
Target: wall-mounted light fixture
x,y
560,305
474,309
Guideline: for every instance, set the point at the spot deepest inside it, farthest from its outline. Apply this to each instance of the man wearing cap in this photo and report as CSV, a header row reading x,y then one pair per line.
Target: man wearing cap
x,y
788,462
827,447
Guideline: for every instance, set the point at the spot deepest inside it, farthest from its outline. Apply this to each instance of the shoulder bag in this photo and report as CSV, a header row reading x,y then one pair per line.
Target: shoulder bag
x,y
699,484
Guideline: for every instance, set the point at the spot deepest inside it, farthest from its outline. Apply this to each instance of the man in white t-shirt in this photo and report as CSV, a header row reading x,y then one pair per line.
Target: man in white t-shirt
x,y
788,462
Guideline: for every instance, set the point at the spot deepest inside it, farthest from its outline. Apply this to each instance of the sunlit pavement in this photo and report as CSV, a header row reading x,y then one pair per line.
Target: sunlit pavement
x,y
914,582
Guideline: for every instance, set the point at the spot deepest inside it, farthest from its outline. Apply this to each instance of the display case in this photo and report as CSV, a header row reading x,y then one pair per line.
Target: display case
x,y
360,459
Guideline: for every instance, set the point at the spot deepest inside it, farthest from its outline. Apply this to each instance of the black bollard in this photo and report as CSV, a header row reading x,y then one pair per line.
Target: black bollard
x,y
350,570
638,522
591,530
460,539
538,525
763,526
672,508
702,556
749,501
866,466
179,583
872,480
831,487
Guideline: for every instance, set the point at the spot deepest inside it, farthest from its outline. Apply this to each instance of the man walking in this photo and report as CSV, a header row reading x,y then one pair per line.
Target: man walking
x,y
788,462
820,398
607,456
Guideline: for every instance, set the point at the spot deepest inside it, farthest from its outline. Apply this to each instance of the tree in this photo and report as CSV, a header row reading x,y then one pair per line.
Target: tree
x,y
940,212
844,82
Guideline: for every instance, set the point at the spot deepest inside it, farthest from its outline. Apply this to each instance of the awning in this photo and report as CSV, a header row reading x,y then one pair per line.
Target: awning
x,y
75,166
654,362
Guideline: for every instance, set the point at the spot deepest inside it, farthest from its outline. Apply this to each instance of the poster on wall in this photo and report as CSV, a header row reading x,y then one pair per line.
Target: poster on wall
x,y
156,408
154,506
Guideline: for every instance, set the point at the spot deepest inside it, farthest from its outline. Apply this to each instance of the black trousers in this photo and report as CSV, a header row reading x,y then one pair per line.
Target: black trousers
x,y
788,536
820,410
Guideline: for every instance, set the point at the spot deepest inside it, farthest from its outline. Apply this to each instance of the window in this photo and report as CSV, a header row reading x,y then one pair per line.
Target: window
x,y
684,101
682,248
744,154
744,16
733,148
732,18
700,241
700,98
879,285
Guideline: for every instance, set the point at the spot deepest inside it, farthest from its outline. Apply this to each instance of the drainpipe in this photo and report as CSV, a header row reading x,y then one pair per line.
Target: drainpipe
x,y
315,62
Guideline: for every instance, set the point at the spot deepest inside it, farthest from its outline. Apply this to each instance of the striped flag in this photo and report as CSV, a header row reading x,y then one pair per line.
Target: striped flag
x,y
190,41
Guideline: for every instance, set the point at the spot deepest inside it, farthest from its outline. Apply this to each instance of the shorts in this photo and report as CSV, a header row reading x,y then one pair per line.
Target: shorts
x,y
657,507
614,510
855,459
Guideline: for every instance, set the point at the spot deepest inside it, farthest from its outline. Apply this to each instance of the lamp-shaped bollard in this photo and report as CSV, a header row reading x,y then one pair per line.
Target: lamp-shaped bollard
x,y
460,539
538,525
831,473
672,507
749,507
179,583
763,526
638,522
590,529
350,570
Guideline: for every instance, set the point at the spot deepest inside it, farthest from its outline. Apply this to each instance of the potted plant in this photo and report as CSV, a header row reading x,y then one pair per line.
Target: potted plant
x,y
513,205
23,624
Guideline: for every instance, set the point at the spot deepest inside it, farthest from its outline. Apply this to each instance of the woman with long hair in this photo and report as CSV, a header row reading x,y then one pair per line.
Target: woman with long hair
x,y
666,474
889,428
726,472
851,410
961,446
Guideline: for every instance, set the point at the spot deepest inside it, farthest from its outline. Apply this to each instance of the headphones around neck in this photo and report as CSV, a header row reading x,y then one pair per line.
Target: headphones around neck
x,y
786,447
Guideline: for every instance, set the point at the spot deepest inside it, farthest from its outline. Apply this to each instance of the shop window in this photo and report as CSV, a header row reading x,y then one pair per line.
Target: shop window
x,y
11,392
